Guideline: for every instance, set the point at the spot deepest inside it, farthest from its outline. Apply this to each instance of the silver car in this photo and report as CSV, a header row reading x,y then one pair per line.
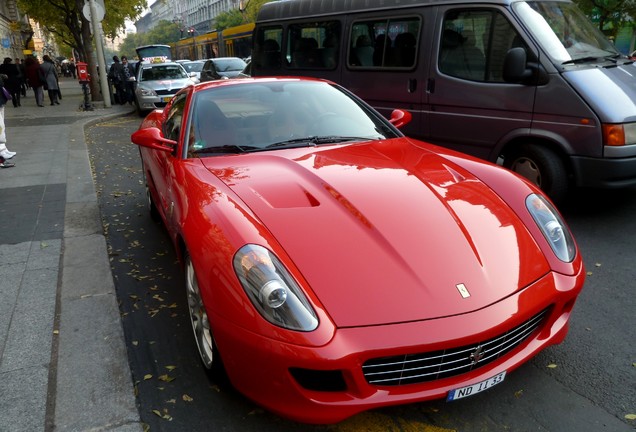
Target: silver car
x,y
157,83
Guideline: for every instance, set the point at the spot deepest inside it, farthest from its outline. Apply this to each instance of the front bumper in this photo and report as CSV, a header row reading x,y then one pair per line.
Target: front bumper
x,y
261,368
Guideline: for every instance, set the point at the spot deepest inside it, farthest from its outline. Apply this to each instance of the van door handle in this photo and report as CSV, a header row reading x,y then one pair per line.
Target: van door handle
x,y
412,85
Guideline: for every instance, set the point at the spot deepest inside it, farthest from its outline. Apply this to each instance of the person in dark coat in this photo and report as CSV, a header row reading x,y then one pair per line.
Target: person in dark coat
x,y
116,77
12,83
34,78
49,71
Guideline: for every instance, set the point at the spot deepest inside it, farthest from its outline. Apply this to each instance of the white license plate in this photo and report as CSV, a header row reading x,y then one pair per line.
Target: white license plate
x,y
476,388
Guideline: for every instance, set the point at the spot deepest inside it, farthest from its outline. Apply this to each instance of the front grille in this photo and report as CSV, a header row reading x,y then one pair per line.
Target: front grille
x,y
423,367
166,92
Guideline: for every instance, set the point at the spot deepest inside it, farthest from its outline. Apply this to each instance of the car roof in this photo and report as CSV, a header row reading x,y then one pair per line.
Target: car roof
x,y
254,80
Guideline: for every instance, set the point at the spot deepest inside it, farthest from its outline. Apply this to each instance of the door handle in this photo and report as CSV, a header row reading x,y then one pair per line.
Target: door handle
x,y
412,85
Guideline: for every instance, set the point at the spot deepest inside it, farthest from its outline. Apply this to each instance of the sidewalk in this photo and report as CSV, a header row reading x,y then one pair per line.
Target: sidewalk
x,y
63,361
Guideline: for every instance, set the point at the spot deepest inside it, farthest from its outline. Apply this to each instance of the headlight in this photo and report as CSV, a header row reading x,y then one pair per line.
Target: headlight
x,y
272,290
147,91
552,226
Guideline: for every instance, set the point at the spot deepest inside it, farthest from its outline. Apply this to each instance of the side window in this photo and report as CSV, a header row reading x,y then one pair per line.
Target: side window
x,y
384,43
313,45
267,53
474,44
172,126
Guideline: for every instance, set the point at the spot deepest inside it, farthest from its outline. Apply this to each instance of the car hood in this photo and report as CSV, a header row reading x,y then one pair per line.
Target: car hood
x,y
387,232
167,84
610,91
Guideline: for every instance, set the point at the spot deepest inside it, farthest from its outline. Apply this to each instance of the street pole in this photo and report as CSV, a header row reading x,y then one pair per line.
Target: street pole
x,y
97,34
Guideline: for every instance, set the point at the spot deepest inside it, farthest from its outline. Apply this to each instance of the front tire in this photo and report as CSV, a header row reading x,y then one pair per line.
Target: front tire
x,y
541,166
208,351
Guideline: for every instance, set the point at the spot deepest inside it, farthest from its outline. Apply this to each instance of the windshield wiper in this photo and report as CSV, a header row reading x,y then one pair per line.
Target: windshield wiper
x,y
316,140
587,59
225,149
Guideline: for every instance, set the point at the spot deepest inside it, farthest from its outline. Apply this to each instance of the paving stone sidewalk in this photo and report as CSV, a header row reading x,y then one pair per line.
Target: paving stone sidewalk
x,y
63,361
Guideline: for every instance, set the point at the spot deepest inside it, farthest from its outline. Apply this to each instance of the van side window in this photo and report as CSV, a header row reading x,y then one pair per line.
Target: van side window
x,y
384,43
313,45
268,53
474,44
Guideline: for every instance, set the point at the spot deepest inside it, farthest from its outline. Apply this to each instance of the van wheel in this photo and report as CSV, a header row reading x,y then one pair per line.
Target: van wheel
x,y
208,351
541,166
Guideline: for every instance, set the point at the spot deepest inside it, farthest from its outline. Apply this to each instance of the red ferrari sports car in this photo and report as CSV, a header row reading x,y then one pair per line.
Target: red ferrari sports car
x,y
333,265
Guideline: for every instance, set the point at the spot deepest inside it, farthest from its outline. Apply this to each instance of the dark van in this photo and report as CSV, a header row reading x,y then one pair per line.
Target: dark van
x,y
530,84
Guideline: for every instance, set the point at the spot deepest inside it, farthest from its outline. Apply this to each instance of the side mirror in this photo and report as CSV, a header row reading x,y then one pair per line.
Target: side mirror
x,y
400,118
515,69
151,138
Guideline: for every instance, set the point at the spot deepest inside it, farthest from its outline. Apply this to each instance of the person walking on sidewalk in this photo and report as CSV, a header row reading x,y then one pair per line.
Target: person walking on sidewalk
x,y
4,151
116,77
12,83
35,79
23,86
128,85
50,78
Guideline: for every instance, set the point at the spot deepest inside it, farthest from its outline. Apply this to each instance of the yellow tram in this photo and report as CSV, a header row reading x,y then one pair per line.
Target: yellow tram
x,y
231,42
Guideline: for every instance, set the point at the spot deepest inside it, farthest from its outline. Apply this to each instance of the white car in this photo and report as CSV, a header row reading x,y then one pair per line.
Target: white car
x,y
157,83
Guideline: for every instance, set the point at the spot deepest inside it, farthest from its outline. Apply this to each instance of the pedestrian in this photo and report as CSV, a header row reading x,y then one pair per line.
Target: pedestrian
x,y
5,153
116,77
12,83
23,87
128,81
35,79
71,67
50,77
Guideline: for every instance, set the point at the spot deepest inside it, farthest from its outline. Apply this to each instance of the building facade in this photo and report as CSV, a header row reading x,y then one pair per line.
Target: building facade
x,y
188,14
15,31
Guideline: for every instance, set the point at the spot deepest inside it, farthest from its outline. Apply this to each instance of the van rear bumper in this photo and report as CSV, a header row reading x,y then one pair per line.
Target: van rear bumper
x,y
604,173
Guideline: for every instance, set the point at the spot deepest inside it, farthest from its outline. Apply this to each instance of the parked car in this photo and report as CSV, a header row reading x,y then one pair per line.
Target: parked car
x,y
157,83
333,265
194,68
221,68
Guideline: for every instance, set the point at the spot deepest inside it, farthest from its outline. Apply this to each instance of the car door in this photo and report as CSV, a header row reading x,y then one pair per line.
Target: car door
x,y
162,165
387,60
472,109
208,73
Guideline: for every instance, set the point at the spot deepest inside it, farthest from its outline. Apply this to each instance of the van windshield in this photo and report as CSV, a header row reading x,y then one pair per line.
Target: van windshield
x,y
564,32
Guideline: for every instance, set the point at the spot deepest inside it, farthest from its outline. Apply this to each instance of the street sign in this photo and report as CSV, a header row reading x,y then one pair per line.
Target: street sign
x,y
99,10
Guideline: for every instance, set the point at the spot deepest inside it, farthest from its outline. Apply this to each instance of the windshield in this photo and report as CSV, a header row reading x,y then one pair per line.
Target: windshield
x,y
229,64
193,67
163,72
273,115
564,32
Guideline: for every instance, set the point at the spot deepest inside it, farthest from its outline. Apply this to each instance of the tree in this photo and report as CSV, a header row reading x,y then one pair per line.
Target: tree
x,y
63,19
610,15
252,8
228,19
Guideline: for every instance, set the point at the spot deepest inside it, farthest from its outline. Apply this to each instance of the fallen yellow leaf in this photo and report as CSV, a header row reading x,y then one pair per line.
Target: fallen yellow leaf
x,y
147,377
630,416
552,366
166,378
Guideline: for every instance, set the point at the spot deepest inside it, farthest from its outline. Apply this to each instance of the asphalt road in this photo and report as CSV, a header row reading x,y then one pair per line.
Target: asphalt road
x,y
588,383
